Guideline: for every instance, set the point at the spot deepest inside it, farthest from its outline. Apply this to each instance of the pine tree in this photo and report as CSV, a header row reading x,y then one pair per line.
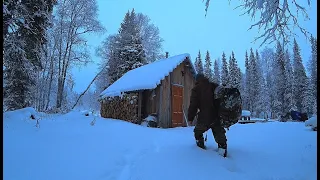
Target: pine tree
x,y
207,67
224,71
216,76
299,76
199,64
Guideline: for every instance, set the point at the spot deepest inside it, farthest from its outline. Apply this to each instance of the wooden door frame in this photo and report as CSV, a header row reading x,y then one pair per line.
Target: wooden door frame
x,y
171,102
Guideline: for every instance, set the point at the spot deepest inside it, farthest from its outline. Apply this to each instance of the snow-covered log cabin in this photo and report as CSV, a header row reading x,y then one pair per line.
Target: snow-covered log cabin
x,y
161,88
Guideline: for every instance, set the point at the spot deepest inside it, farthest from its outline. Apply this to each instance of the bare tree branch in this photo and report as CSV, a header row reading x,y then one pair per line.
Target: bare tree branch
x,y
276,19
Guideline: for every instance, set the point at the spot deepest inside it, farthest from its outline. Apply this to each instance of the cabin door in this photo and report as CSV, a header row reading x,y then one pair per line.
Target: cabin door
x,y
177,103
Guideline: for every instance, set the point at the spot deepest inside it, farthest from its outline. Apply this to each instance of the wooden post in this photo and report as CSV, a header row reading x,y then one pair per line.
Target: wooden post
x,y
160,106
169,101
139,105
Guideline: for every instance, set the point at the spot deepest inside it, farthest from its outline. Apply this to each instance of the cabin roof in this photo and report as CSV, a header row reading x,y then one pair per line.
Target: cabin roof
x,y
148,76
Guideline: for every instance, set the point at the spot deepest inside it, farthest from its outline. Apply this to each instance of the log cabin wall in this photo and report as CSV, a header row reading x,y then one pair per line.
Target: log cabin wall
x,y
189,82
183,76
164,101
176,75
150,101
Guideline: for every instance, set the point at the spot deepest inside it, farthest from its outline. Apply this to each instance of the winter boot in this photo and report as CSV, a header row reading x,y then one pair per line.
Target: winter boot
x,y
200,144
222,150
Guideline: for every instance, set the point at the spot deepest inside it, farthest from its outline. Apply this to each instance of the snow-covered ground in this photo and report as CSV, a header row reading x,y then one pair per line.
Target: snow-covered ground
x,y
312,122
69,147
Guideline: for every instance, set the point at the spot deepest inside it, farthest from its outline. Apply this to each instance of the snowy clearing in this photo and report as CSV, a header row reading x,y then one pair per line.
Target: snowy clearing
x,y
70,147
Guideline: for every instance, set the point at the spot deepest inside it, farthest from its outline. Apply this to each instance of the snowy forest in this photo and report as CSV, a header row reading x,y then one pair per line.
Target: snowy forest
x,y
44,40
274,83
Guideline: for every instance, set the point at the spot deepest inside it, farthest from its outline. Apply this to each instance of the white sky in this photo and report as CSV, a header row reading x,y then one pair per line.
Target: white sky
x,y
185,29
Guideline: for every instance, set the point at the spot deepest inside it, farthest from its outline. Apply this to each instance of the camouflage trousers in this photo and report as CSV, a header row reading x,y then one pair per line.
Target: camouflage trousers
x,y
219,133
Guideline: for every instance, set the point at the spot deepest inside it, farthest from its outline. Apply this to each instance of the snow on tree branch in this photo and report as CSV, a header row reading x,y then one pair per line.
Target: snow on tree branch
x,y
276,19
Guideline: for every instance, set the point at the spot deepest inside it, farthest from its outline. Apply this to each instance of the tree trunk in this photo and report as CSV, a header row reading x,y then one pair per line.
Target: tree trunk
x,y
88,86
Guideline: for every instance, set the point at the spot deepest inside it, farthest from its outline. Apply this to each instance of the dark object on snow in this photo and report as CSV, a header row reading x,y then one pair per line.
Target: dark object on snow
x,y
295,115
230,105
219,134
32,116
202,99
86,114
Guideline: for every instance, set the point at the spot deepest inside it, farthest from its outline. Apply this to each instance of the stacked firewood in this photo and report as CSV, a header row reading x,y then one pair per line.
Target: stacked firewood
x,y
124,107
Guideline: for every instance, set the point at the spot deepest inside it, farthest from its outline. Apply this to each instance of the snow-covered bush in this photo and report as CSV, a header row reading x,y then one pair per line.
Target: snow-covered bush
x,y
312,122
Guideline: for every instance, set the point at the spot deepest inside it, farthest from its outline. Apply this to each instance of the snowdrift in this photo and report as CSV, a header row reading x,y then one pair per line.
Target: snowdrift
x,y
312,122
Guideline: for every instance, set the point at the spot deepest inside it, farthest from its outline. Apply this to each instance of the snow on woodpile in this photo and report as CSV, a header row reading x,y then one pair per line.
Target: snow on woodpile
x,y
246,113
144,77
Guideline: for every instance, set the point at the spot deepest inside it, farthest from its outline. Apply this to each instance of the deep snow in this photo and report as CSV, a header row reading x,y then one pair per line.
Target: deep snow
x,y
69,147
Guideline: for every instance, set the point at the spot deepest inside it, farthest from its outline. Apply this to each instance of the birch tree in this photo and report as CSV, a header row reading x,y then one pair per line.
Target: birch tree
x,y
75,18
276,18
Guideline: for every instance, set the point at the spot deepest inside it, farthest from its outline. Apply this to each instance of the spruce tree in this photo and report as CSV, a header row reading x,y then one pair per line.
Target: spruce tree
x,y
313,71
234,72
289,103
216,76
224,71
254,90
37,17
231,72
129,46
17,75
246,96
279,74
299,76
307,98
207,67
199,64
260,104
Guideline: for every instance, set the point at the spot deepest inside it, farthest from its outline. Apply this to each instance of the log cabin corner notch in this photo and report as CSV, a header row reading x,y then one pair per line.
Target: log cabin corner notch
x,y
162,88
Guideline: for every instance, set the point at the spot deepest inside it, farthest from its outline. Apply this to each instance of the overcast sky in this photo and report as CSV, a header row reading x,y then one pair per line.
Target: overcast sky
x,y
185,29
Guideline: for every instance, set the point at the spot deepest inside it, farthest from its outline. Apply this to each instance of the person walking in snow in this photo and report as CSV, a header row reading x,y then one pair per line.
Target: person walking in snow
x,y
202,99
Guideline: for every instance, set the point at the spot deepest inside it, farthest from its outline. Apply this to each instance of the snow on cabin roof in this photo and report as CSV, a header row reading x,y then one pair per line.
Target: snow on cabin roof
x,y
148,76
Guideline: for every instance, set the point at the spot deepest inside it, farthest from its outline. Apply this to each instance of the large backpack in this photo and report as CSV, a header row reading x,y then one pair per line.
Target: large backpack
x,y
229,105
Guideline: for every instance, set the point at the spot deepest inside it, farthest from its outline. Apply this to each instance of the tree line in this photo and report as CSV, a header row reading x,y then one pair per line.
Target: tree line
x,y
274,82
44,40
